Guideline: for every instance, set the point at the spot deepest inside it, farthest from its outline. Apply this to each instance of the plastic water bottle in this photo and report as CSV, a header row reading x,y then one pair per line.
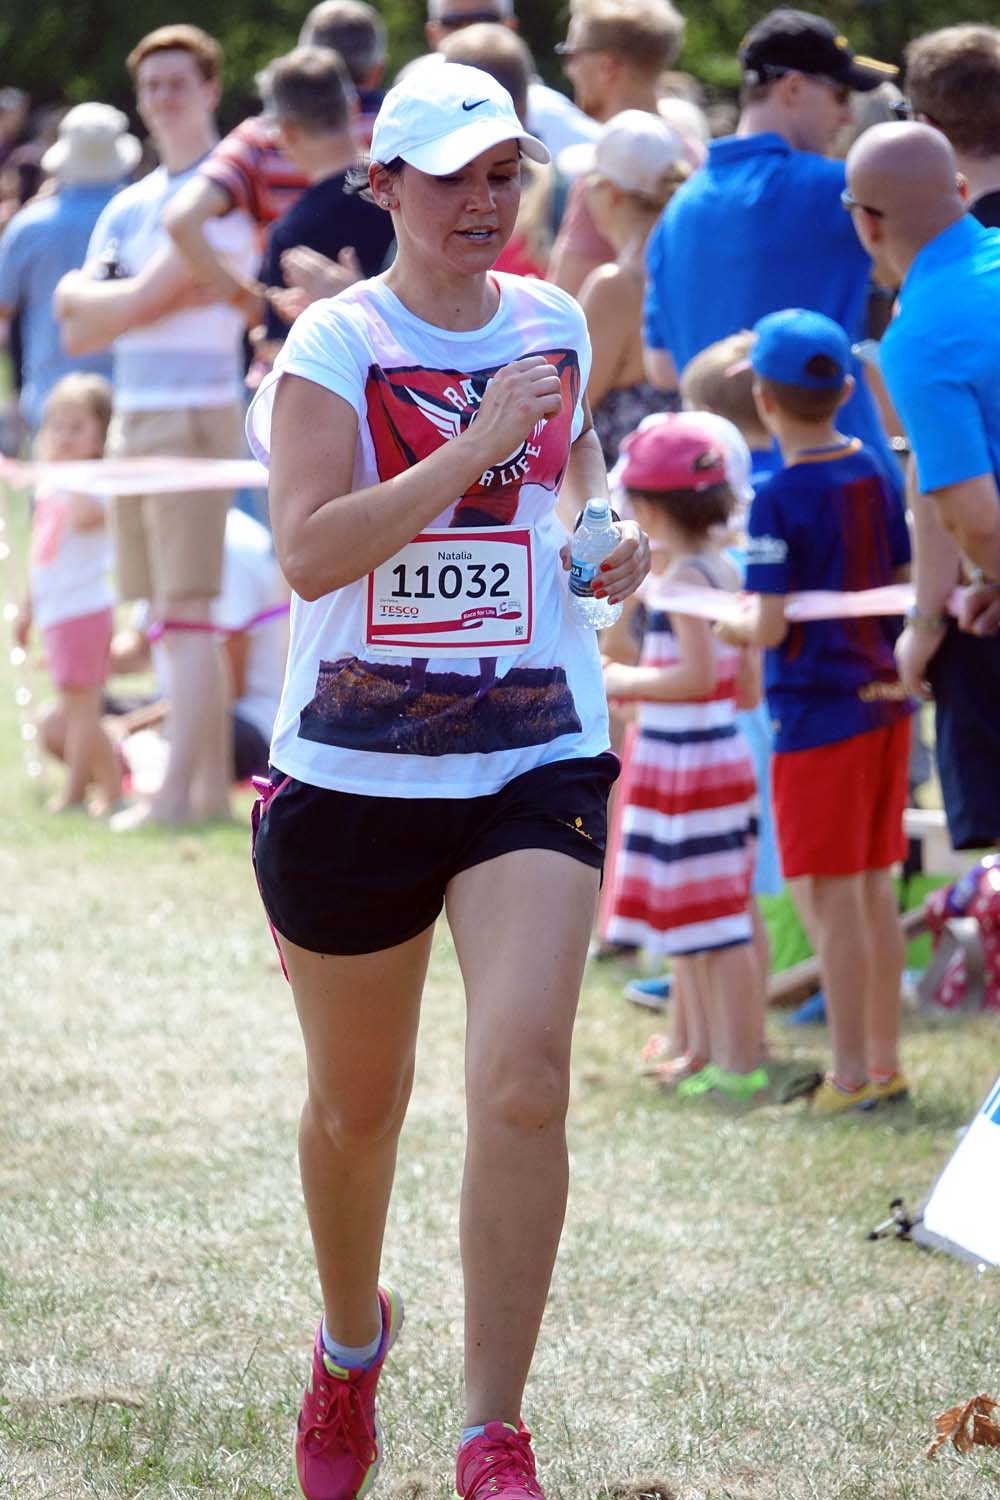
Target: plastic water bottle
x,y
592,540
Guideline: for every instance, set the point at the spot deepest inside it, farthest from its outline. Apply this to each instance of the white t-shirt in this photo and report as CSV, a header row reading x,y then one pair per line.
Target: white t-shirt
x,y
252,586
69,570
190,358
354,721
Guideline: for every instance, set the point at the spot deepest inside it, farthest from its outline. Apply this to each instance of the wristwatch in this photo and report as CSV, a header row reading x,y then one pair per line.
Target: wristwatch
x,y
925,622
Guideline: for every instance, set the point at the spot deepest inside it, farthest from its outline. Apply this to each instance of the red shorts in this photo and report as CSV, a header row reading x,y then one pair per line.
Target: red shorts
x,y
79,651
839,808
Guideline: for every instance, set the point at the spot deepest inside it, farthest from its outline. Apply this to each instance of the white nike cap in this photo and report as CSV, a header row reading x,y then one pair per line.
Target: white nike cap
x,y
438,119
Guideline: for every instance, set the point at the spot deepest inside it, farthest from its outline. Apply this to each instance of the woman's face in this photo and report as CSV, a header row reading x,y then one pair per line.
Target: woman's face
x,y
461,221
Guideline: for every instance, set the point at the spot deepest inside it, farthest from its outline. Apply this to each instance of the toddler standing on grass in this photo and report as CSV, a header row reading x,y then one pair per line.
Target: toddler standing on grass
x,y
684,871
70,598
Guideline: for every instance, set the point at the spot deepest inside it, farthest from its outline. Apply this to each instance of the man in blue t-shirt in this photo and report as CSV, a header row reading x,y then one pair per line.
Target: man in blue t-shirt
x,y
939,362
830,521
89,162
760,226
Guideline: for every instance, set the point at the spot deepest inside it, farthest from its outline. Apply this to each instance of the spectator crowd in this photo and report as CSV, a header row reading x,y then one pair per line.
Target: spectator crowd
x,y
770,330
813,279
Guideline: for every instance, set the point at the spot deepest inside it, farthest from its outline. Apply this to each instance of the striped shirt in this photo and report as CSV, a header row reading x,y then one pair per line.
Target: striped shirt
x,y
258,177
254,174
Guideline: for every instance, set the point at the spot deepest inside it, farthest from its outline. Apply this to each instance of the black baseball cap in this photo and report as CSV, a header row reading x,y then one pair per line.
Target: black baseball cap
x,y
793,41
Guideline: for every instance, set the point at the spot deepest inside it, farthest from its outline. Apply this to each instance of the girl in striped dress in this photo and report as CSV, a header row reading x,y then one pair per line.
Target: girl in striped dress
x,y
684,872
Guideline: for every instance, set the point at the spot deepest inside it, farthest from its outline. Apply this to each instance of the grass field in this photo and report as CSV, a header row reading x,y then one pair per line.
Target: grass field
x,y
719,1327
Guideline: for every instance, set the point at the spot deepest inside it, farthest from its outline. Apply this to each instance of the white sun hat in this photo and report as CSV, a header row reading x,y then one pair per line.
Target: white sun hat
x,y
438,119
94,146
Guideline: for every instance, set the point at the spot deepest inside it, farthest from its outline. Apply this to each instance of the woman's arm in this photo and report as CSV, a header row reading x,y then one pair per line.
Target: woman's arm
x,y
607,313
327,535
586,474
622,570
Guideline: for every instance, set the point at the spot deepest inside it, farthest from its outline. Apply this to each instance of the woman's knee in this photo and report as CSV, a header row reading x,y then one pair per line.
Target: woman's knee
x,y
360,1117
524,1090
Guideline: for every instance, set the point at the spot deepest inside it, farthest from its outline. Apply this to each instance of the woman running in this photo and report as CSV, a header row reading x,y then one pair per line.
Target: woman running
x,y
420,429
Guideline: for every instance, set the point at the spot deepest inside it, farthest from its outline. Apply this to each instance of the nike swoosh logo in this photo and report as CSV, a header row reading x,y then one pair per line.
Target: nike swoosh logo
x,y
467,106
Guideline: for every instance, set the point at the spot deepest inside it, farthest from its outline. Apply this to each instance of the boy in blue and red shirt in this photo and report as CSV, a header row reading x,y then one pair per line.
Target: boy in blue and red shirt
x,y
831,520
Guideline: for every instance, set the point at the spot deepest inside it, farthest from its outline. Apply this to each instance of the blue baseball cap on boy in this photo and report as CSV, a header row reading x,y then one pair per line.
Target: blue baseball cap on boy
x,y
797,347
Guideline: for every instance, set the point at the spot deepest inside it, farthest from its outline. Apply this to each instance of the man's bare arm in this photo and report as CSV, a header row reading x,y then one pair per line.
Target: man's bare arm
x,y
184,219
970,513
937,563
92,313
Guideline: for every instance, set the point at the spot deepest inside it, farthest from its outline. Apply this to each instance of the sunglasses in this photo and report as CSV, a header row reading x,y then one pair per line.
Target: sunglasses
x,y
850,203
841,91
471,18
567,52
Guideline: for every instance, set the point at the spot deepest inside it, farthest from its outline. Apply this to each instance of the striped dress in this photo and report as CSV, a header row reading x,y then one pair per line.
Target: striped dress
x,y
684,872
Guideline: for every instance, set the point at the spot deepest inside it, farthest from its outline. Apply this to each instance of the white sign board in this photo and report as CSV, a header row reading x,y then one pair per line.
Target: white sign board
x,y
962,1213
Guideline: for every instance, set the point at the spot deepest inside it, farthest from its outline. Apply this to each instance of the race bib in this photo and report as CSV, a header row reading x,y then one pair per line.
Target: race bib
x,y
453,593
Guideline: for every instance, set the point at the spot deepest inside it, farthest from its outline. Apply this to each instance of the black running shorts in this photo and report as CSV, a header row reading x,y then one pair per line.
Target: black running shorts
x,y
345,874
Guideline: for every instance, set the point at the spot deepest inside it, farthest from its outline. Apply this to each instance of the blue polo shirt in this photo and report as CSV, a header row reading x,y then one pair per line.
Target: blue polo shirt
x,y
758,228
40,244
939,355
829,521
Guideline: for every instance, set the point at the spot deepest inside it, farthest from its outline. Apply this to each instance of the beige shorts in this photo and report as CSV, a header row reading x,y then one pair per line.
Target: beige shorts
x,y
171,546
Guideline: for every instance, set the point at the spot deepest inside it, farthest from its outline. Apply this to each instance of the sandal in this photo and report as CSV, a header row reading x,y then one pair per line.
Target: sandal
x,y
675,1070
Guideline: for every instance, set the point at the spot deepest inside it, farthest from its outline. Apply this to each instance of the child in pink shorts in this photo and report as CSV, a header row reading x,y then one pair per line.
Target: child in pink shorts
x,y
70,592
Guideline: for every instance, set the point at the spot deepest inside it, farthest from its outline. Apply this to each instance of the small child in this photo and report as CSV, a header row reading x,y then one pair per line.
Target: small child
x,y
683,878
720,379
831,520
70,594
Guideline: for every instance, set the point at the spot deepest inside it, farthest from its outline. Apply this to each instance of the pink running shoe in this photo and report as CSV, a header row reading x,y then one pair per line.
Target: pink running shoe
x,y
498,1465
337,1444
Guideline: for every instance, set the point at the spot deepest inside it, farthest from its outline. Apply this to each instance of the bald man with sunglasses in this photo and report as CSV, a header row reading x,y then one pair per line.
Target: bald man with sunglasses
x,y
908,204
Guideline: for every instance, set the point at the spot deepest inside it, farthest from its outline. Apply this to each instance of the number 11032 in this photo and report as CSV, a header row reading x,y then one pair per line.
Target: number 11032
x,y
475,581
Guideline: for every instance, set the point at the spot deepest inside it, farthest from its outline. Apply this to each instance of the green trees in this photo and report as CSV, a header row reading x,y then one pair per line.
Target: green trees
x,y
76,51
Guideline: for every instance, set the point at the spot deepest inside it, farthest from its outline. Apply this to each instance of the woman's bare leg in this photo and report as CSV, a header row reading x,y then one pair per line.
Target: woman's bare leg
x,y
359,1023
521,925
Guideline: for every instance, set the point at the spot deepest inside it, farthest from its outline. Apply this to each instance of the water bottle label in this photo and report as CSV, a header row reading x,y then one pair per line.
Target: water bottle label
x,y
581,578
